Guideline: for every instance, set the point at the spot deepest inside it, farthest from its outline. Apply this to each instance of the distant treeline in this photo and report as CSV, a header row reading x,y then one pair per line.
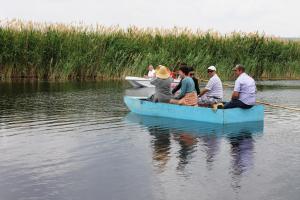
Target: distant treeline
x,y
60,52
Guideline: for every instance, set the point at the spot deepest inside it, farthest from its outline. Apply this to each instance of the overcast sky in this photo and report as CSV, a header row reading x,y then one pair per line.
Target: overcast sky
x,y
273,17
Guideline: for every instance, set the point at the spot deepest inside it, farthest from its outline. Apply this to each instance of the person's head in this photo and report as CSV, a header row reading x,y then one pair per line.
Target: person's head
x,y
211,70
183,71
191,72
162,72
181,64
150,67
238,70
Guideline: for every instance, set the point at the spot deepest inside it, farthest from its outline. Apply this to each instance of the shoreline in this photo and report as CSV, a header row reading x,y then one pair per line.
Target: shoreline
x,y
66,52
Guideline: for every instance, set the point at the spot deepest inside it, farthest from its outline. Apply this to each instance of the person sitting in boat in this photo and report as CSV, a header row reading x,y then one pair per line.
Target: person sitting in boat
x,y
213,91
244,92
196,82
151,72
187,95
162,83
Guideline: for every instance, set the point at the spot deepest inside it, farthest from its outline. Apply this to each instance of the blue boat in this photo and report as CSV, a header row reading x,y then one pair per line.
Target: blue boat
x,y
140,106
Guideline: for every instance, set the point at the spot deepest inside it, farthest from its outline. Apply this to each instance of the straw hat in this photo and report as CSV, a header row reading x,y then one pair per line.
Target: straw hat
x,y
162,72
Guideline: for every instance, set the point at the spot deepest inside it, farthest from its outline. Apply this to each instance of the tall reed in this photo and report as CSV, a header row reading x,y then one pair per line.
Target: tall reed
x,y
58,51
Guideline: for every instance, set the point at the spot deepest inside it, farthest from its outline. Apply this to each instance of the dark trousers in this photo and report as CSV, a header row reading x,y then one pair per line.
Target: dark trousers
x,y
236,104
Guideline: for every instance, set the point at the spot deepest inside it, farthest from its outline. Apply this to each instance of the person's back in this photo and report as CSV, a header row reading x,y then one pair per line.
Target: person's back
x,y
162,89
215,88
245,85
244,92
162,84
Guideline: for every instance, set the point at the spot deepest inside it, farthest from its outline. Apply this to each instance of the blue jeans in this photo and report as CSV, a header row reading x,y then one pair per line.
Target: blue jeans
x,y
236,104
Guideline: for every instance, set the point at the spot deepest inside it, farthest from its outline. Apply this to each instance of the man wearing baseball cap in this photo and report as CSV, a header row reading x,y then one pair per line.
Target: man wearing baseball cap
x,y
244,92
213,91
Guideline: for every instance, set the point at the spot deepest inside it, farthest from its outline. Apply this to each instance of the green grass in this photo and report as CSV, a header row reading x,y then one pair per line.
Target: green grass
x,y
61,52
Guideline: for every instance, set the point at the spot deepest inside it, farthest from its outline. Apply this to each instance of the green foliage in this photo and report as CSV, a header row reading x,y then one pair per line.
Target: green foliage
x,y
52,52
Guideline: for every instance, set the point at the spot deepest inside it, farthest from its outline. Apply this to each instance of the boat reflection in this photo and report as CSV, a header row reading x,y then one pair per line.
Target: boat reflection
x,y
181,139
197,128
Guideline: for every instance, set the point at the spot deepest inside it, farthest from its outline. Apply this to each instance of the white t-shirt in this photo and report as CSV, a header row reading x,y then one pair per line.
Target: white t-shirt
x,y
245,86
214,87
151,73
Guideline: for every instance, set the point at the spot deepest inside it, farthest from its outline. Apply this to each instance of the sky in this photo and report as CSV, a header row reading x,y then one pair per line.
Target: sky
x,y
270,17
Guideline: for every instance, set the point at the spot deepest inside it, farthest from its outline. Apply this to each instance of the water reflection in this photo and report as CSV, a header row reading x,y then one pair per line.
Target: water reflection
x,y
70,141
187,143
212,145
161,142
242,153
186,137
161,145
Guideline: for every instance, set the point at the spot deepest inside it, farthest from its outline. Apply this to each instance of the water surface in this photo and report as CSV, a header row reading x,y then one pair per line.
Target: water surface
x,y
79,141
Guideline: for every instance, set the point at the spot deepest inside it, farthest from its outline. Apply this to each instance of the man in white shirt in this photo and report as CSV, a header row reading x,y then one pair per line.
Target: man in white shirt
x,y
244,92
151,72
213,91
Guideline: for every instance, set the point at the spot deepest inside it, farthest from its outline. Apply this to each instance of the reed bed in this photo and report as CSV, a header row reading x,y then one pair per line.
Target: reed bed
x,y
76,51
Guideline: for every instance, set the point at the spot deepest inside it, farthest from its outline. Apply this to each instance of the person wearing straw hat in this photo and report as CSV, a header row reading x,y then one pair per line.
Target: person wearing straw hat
x,y
213,91
244,92
162,83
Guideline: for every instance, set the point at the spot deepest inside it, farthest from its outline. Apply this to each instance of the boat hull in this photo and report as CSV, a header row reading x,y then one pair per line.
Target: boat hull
x,y
138,82
202,114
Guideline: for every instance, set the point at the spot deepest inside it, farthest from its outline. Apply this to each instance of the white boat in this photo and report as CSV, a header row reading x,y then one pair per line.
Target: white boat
x,y
138,82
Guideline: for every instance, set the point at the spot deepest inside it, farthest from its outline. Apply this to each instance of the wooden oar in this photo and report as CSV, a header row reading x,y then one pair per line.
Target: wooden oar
x,y
278,106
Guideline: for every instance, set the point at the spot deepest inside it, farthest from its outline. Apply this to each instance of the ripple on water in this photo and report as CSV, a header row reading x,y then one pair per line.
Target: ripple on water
x,y
77,141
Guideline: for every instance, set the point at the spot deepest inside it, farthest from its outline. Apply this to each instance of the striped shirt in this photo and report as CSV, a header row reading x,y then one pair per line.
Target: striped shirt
x,y
214,87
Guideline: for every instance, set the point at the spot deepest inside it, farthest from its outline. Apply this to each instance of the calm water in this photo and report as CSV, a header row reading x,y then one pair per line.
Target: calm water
x,y
78,141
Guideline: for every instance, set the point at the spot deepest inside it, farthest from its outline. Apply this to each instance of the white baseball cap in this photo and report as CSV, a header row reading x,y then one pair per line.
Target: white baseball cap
x,y
213,68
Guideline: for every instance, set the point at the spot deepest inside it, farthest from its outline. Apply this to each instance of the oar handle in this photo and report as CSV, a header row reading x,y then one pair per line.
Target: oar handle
x,y
278,106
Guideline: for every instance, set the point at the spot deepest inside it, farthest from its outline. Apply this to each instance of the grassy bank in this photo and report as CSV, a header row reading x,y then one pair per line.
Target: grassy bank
x,y
77,52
